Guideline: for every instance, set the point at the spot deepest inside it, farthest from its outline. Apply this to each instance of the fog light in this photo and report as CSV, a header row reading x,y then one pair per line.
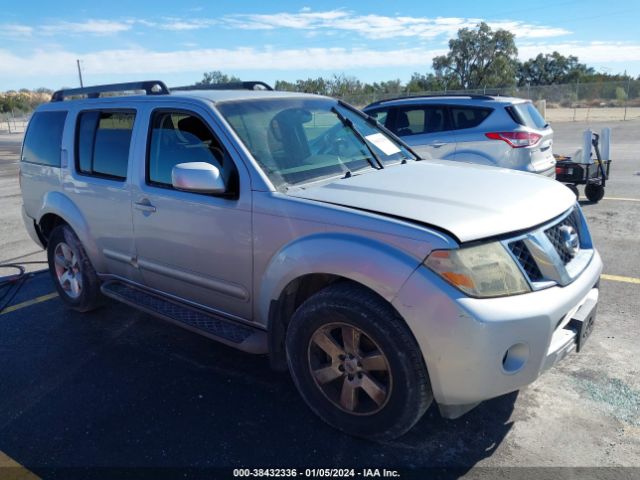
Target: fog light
x,y
515,357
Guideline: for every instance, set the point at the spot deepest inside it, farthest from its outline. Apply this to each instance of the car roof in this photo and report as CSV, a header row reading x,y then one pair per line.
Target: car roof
x,y
157,92
447,99
234,95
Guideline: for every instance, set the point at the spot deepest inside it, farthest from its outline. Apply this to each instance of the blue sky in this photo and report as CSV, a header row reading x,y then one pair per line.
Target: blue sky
x,y
374,40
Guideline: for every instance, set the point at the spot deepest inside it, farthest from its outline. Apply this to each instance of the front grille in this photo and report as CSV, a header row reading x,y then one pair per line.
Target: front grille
x,y
525,259
555,236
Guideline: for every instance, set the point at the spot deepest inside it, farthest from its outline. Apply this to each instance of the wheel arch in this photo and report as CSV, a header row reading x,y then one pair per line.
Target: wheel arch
x,y
308,265
57,209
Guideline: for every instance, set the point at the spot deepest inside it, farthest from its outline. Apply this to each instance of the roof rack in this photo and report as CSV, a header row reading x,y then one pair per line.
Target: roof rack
x,y
475,96
151,87
250,85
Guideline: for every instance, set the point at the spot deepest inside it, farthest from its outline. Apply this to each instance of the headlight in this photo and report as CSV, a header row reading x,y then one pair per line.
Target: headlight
x,y
481,271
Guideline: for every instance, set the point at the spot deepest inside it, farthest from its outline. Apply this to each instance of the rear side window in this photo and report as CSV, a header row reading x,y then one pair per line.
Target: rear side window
x,y
43,140
527,114
417,120
466,117
103,139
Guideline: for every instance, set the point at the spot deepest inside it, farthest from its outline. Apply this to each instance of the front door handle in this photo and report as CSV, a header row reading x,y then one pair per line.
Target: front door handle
x,y
438,144
144,205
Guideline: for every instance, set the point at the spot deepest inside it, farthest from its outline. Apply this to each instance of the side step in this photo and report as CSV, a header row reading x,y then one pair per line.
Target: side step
x,y
237,335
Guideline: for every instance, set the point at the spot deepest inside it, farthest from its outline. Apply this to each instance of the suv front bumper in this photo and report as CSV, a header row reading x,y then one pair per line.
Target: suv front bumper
x,y
476,349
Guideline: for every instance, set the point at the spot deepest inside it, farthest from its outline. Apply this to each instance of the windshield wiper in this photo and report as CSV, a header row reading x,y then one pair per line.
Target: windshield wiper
x,y
349,124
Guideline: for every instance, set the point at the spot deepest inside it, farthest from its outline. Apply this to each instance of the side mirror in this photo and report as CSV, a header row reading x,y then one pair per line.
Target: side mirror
x,y
199,177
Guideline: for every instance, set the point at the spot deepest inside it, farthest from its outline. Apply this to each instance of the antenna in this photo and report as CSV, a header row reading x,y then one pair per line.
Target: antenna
x,y
79,73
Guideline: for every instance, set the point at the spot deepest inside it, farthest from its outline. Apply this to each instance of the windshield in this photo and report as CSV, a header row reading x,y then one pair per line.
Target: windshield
x,y
299,140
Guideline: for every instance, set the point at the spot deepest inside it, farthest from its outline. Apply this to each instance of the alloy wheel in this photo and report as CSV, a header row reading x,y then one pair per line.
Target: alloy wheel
x,y
349,368
68,271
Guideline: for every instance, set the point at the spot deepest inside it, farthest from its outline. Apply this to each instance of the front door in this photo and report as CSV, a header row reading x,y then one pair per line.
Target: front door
x,y
197,247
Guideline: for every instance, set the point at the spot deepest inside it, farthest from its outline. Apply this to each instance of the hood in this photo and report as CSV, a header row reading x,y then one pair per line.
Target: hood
x,y
470,201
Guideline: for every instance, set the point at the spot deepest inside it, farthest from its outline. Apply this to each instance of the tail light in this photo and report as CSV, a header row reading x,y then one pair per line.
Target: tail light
x,y
516,139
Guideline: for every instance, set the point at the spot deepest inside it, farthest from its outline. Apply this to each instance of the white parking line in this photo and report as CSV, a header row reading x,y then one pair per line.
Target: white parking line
x,y
622,199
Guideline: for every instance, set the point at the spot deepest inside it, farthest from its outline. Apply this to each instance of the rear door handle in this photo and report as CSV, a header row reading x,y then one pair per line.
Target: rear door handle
x,y
438,144
144,205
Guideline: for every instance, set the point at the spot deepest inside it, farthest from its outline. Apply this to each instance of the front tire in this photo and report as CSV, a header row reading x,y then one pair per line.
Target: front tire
x,y
356,364
71,271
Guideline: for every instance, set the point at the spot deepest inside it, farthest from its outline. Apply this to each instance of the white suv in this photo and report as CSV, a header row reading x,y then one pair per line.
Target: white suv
x,y
498,131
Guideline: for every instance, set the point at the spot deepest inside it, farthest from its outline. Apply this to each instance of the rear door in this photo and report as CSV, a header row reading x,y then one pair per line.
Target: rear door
x,y
98,183
194,246
426,129
470,123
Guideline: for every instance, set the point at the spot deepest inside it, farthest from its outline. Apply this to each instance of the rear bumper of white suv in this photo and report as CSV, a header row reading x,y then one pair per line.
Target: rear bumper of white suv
x,y
477,349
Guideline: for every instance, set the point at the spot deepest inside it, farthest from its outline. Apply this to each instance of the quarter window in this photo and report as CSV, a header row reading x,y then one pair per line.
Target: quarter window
x,y
43,140
103,139
181,137
465,117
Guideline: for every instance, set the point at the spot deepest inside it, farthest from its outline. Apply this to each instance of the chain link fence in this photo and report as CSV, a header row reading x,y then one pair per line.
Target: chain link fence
x,y
593,101
14,122
567,102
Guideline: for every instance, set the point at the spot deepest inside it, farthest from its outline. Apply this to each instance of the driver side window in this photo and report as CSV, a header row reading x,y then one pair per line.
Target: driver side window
x,y
182,137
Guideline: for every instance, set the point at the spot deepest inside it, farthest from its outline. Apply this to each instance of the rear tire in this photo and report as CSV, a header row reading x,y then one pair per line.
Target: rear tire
x,y
594,192
356,364
71,271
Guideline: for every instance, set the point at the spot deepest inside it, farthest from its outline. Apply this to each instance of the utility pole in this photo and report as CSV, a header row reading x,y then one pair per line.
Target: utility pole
x,y
79,73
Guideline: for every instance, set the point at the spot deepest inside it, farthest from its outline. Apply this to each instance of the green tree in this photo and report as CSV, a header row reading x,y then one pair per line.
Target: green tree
x,y
312,85
478,58
554,68
341,85
424,83
215,77
285,86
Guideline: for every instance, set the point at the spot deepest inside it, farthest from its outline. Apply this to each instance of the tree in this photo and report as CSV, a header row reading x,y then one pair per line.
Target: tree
x,y
215,77
312,85
341,85
285,86
554,68
478,58
424,83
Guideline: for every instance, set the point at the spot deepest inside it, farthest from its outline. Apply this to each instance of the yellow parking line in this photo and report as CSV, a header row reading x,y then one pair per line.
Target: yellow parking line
x,y
28,303
12,470
619,278
622,199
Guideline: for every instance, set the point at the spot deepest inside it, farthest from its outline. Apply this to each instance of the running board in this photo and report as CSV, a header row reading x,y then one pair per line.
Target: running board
x,y
237,335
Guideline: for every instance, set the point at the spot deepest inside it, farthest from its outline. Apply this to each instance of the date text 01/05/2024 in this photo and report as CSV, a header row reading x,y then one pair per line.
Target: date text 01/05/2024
x,y
316,472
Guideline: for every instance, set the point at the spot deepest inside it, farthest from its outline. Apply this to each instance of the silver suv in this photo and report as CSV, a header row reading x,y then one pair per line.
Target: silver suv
x,y
294,225
497,131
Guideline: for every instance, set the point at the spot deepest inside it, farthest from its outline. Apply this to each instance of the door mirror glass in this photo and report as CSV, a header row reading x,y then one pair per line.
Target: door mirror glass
x,y
199,177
